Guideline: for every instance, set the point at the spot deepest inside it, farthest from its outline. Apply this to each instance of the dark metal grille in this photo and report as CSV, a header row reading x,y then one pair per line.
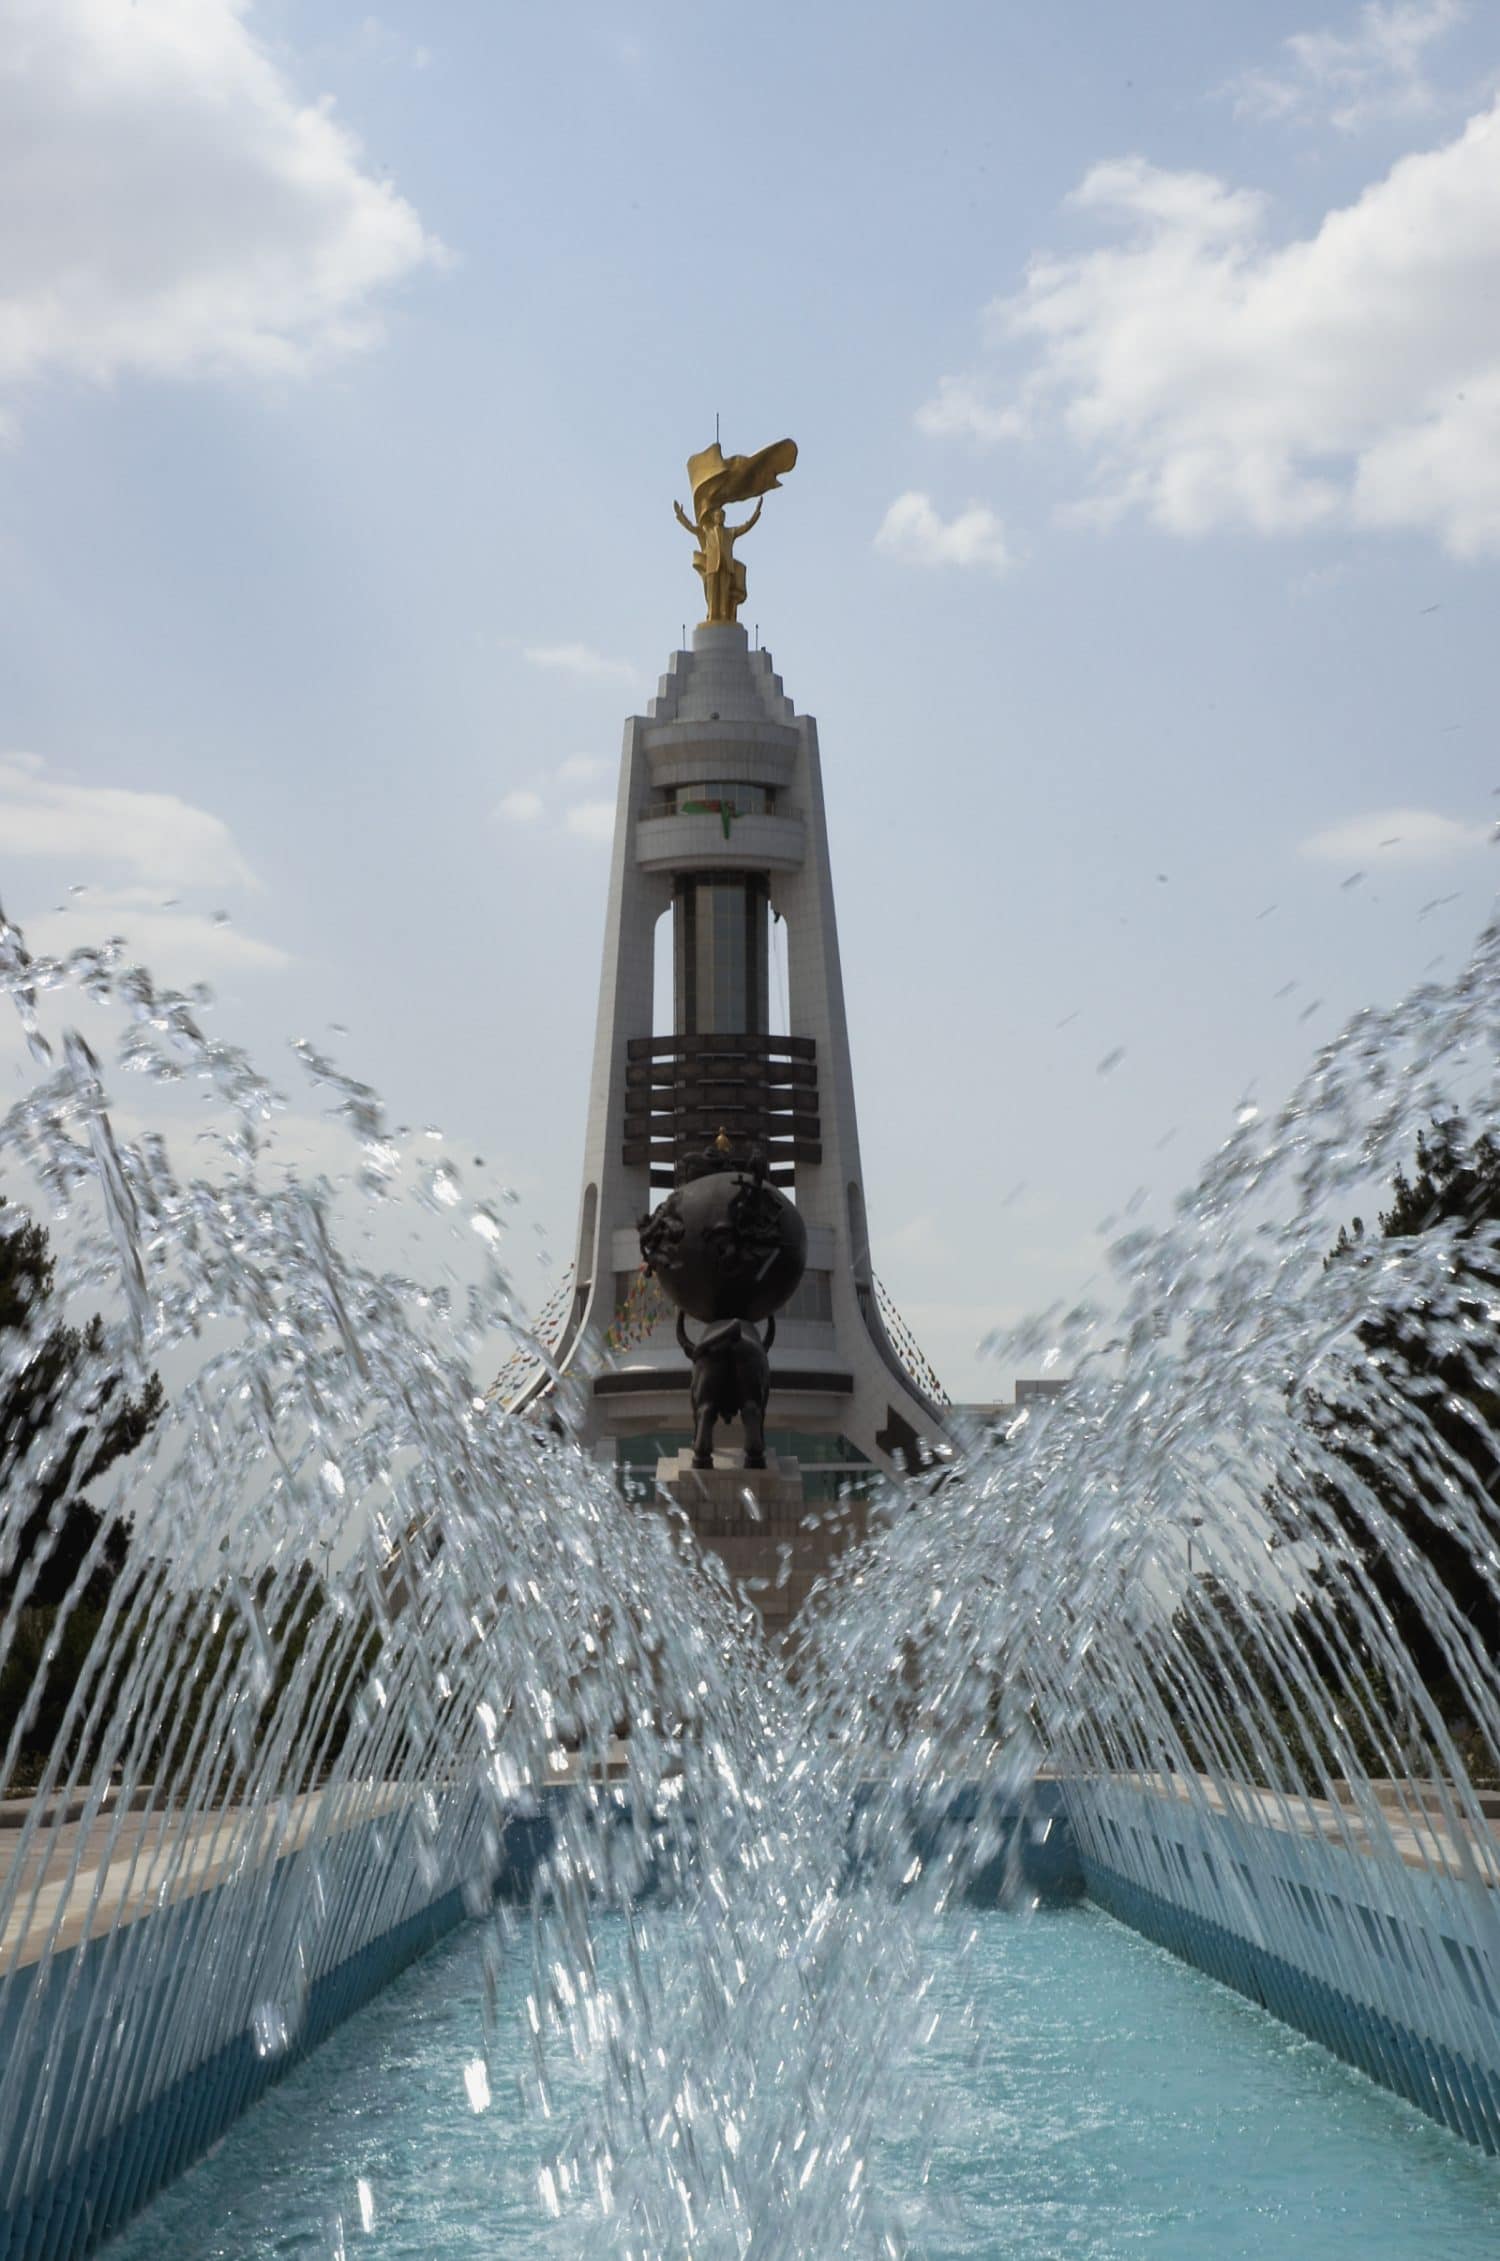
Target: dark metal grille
x,y
681,1091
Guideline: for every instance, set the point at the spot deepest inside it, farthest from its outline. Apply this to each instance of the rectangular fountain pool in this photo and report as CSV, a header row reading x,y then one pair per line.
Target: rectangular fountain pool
x,y
1085,2095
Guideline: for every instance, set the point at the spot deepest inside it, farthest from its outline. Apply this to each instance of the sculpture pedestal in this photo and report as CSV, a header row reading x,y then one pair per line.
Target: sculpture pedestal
x,y
758,1522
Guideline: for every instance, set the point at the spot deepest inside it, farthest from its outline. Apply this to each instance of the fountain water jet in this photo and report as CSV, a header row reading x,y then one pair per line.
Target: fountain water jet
x,y
283,1785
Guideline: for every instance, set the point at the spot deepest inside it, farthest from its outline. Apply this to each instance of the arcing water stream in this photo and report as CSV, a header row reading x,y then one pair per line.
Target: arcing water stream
x,y
312,1750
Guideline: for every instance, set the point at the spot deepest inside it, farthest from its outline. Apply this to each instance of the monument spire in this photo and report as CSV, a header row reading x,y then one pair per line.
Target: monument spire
x,y
719,823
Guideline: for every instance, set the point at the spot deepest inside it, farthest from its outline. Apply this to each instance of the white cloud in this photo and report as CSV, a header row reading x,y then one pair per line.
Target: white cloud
x,y
581,660
586,820
178,945
592,820
578,768
1318,580
959,409
142,846
1210,377
1357,78
175,208
159,839
1408,836
912,531
519,808
382,43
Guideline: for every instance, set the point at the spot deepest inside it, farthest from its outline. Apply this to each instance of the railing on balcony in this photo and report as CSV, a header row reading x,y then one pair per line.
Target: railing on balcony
x,y
918,1365
525,1367
713,800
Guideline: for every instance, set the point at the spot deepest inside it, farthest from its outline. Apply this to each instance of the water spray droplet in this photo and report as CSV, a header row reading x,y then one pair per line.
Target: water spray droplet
x,y
269,2029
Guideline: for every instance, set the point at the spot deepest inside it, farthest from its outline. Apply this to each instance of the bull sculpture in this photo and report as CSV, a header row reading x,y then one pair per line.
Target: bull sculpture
x,y
731,1375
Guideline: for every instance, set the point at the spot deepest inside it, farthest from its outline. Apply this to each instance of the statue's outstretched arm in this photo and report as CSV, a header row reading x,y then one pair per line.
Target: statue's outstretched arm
x,y
734,532
684,520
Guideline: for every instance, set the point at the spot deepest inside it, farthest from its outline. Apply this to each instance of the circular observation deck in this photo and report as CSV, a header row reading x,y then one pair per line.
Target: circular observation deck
x,y
720,840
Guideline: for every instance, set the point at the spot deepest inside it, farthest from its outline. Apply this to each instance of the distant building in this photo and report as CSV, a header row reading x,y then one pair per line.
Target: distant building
x,y
984,1420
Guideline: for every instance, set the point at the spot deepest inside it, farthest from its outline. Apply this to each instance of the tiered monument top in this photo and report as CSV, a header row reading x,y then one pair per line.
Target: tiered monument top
x,y
722,680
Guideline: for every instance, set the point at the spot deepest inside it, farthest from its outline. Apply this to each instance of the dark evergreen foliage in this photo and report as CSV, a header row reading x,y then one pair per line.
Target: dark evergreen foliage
x,y
1433,1355
58,1525
1424,1360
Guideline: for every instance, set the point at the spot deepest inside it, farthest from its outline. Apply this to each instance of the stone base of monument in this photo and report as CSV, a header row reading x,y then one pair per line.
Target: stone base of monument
x,y
758,1522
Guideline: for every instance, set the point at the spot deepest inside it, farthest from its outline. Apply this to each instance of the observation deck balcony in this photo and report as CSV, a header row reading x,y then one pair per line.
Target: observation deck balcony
x,y
714,842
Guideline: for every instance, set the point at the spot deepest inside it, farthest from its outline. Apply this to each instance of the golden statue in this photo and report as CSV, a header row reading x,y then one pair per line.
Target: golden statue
x,y
716,482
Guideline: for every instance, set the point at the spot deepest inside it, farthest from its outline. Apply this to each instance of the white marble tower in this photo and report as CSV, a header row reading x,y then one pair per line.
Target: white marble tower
x,y
719,825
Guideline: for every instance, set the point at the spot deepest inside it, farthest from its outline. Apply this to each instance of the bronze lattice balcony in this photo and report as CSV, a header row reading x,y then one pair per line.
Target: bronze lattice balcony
x,y
681,1091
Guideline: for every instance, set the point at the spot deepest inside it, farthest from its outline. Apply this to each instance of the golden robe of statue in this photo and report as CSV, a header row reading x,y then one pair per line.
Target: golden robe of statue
x,y
716,483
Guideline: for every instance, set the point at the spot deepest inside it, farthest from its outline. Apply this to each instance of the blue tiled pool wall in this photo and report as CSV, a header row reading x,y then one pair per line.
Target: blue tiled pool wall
x,y
1394,1969
124,2059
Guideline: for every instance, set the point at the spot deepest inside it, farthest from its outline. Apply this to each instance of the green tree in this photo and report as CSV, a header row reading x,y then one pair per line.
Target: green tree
x,y
55,1379
1244,1676
1429,1376
64,1364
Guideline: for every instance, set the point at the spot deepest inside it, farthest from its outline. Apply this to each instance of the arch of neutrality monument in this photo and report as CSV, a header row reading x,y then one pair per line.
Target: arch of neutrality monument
x,y
719,820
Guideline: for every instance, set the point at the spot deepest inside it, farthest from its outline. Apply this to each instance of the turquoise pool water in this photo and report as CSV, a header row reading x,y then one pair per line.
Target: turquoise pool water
x,y
1085,2096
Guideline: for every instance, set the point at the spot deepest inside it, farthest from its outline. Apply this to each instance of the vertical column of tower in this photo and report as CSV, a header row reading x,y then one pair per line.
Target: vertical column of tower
x,y
616,1193
887,1405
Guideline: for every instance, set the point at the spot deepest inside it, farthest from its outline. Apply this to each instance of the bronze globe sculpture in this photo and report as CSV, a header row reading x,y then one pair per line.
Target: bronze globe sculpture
x,y
729,1249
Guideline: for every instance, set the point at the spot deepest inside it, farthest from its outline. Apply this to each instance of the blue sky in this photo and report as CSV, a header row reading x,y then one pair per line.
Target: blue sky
x,y
1139,565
